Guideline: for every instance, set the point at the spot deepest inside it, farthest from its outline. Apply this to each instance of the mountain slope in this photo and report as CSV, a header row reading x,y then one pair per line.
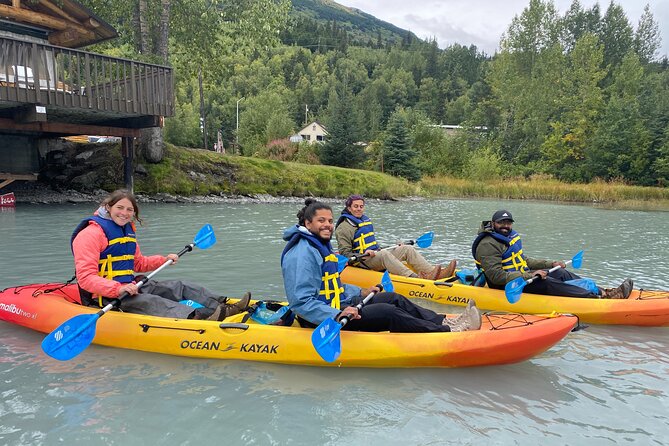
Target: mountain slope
x,y
360,27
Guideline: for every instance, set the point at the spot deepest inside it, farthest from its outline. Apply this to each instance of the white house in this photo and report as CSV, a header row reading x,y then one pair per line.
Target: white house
x,y
453,129
314,132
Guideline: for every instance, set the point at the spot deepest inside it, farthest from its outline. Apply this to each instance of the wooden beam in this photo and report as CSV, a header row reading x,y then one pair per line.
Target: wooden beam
x,y
135,122
17,176
37,18
62,128
64,37
53,8
16,3
30,113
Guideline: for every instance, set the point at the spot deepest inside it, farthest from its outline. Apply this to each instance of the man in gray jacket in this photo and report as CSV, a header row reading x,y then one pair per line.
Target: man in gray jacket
x,y
498,252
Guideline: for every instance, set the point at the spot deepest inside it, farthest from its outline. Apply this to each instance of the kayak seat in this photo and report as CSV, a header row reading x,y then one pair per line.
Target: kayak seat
x,y
471,277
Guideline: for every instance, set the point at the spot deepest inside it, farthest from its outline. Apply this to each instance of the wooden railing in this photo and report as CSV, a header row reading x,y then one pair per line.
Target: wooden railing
x,y
50,75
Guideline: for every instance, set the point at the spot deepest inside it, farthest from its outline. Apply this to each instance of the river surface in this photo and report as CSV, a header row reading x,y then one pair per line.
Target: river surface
x,y
604,385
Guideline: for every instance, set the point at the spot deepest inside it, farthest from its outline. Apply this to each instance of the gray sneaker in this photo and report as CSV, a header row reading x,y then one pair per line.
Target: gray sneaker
x,y
474,317
471,320
455,320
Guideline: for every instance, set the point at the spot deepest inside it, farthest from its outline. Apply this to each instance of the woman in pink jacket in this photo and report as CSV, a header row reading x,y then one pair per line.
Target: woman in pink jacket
x,y
107,255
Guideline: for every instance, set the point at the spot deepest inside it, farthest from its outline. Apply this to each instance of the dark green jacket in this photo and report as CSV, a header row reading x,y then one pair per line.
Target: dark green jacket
x,y
489,253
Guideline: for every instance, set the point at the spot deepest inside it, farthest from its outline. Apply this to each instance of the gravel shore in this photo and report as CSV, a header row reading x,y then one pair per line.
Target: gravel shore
x,y
37,193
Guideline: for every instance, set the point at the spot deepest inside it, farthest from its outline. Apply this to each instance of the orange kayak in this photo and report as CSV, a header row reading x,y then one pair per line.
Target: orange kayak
x,y
502,339
643,307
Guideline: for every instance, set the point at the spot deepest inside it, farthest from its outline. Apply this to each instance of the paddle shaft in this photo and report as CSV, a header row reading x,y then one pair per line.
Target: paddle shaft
x,y
116,302
555,268
356,258
344,320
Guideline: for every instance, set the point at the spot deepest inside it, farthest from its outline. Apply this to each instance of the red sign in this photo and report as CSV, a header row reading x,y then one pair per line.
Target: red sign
x,y
8,200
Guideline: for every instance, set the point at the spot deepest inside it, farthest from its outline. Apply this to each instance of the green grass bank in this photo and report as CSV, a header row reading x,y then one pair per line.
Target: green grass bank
x,y
200,172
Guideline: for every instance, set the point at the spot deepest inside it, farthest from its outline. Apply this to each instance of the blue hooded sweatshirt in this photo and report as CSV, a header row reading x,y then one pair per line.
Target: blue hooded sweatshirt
x,y
301,268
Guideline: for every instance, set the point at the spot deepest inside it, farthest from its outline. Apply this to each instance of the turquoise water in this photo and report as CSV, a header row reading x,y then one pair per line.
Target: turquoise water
x,y
604,385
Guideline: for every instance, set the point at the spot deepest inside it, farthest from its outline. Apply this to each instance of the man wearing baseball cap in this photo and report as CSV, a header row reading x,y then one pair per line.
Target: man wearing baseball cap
x,y
498,252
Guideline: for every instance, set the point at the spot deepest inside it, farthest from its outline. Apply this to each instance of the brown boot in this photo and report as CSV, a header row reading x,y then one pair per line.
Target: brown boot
x,y
219,313
225,310
448,271
201,313
622,292
431,275
243,303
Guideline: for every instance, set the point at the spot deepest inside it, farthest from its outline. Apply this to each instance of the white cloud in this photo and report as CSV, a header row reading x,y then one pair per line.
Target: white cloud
x,y
483,22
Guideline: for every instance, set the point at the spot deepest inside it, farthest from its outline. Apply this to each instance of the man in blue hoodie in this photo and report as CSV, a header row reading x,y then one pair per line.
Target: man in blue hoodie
x,y
315,292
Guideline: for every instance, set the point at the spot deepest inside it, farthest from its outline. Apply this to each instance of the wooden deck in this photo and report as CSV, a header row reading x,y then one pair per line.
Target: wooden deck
x,y
65,78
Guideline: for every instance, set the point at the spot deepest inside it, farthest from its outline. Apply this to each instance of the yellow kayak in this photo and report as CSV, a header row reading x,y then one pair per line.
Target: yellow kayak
x,y
502,339
643,307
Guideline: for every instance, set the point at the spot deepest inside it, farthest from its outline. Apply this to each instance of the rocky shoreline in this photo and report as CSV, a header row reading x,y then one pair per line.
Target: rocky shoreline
x,y
42,194
38,193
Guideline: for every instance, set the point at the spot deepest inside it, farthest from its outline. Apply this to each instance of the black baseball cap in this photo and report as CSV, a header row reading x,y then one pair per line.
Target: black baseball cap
x,y
501,215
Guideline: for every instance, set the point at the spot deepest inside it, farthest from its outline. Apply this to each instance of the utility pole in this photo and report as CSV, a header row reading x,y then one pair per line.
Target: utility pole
x,y
306,114
237,130
203,121
381,158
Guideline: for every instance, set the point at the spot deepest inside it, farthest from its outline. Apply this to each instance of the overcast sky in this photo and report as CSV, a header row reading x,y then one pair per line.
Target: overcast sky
x,y
482,22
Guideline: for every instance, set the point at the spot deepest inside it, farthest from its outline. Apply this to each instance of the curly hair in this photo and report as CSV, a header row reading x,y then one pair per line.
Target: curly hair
x,y
311,206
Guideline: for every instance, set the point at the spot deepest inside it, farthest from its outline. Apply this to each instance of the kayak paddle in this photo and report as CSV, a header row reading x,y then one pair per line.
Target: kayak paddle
x,y
514,289
326,339
424,241
77,333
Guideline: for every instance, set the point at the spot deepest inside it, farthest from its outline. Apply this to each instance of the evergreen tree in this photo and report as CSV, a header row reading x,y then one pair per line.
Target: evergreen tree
x,y
339,148
431,60
620,144
647,38
582,101
399,158
536,29
616,35
574,25
661,164
431,100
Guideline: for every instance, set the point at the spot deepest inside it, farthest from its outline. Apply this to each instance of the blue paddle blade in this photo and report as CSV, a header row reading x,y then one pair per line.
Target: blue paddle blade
x,y
342,262
514,289
577,260
425,240
326,340
205,237
71,337
387,283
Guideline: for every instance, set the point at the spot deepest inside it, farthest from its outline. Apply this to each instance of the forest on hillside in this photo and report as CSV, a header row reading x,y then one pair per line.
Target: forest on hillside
x,y
576,96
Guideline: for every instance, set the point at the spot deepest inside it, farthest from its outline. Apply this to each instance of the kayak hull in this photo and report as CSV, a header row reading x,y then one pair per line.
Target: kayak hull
x,y
503,338
643,307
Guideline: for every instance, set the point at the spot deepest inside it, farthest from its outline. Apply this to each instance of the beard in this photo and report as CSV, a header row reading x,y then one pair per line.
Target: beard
x,y
504,231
